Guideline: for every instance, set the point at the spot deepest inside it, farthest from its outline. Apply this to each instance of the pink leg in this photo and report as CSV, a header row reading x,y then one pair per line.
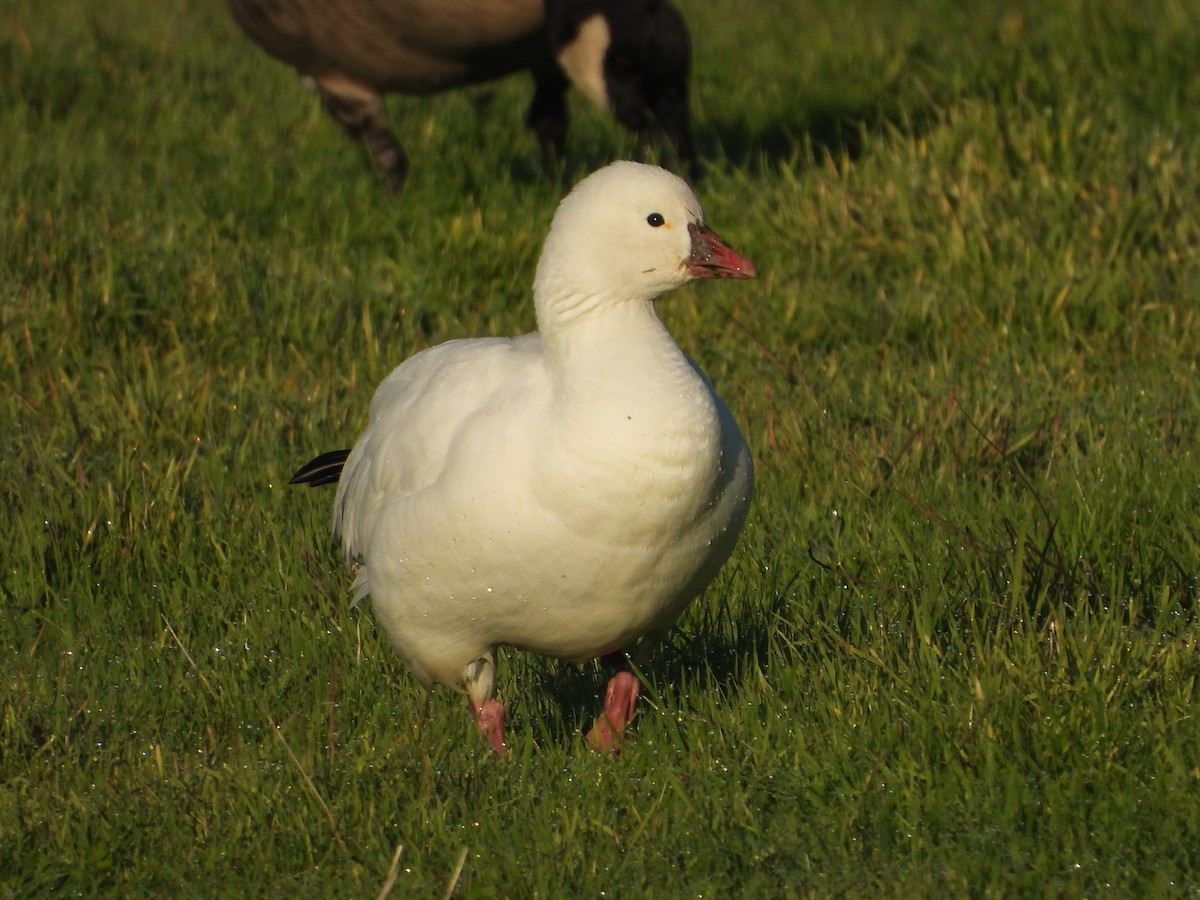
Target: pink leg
x,y
490,719
620,703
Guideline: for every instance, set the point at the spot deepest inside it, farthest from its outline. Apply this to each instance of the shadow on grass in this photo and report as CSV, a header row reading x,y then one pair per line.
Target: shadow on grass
x,y
719,650
822,132
757,148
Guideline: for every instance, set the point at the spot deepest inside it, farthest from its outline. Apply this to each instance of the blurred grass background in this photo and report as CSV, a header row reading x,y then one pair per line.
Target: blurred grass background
x,y
956,652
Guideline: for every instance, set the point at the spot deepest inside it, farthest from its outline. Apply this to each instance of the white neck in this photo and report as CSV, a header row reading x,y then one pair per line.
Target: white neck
x,y
604,347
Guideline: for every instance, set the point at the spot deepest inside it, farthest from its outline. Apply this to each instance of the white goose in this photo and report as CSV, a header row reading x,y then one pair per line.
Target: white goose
x,y
567,492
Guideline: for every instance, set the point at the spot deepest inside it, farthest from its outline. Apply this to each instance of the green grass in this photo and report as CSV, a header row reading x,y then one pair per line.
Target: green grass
x,y
956,652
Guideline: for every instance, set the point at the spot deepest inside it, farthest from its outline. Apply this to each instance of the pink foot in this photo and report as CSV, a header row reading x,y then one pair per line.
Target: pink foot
x,y
620,703
490,719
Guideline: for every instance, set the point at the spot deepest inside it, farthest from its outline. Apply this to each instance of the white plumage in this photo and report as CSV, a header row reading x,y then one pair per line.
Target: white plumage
x,y
568,491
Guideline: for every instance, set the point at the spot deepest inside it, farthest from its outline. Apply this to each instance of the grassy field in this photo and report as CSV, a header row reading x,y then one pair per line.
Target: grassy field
x,y
957,650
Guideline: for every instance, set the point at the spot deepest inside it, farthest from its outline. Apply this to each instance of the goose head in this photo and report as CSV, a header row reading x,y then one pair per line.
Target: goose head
x,y
627,233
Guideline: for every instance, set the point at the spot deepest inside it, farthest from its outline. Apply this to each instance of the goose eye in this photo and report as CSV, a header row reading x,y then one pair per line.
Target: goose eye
x,y
655,220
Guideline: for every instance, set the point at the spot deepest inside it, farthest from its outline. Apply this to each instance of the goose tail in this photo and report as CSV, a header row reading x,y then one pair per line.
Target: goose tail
x,y
323,469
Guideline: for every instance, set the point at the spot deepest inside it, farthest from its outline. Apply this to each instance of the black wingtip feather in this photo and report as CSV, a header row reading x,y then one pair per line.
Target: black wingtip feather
x,y
323,469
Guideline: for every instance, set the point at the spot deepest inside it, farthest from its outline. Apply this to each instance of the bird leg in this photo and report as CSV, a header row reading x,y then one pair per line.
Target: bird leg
x,y
620,704
547,115
489,716
488,712
359,111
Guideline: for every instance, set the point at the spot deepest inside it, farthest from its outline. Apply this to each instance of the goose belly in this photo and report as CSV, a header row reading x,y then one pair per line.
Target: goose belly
x,y
571,561
568,595
409,46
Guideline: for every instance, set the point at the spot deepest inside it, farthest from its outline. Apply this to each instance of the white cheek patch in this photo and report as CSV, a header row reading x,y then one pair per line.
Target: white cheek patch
x,y
583,59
